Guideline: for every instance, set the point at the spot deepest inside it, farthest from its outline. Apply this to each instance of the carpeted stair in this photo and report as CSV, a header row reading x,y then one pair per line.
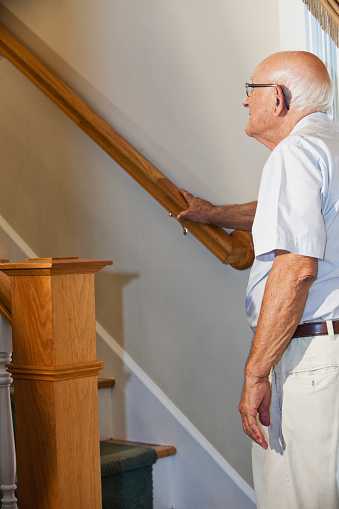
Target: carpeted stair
x,y
126,475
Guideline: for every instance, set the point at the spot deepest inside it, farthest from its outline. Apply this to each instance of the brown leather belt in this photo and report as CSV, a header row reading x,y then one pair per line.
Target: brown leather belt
x,y
314,329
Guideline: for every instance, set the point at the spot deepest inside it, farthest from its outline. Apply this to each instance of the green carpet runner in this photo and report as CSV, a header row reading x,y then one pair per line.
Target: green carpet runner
x,y
126,476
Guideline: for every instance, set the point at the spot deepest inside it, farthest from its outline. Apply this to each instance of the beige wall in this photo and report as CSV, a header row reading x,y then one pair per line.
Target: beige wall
x,y
169,75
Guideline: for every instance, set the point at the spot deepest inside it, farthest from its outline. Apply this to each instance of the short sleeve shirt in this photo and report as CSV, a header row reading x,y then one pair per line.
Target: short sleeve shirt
x,y
298,211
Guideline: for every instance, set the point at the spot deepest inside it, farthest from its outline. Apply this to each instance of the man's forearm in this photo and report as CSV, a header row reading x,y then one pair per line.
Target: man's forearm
x,y
239,217
283,304
284,300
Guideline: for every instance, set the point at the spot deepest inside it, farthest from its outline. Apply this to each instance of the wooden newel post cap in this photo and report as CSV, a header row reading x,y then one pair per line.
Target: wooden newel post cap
x,y
53,266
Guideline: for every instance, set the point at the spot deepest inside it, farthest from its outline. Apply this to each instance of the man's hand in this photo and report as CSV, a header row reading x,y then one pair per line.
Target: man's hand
x,y
199,210
256,399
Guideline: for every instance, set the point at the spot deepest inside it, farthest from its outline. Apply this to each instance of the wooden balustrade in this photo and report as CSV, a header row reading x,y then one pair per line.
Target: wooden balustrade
x,y
7,446
235,249
55,382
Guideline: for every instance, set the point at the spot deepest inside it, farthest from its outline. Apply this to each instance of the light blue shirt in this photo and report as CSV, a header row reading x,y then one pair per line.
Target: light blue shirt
x,y
298,211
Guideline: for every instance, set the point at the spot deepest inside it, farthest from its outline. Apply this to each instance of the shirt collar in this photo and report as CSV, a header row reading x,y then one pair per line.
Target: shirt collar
x,y
312,118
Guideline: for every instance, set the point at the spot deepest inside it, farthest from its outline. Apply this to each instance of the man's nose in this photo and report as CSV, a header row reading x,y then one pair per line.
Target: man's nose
x,y
246,102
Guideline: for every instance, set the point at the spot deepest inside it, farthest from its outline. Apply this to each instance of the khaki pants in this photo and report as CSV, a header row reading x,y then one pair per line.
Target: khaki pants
x,y
300,468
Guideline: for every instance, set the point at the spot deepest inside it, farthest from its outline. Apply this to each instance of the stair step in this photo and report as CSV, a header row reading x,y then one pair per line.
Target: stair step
x,y
126,476
162,450
105,382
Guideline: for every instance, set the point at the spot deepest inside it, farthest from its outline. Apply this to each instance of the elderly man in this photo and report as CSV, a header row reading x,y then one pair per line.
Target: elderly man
x,y
290,401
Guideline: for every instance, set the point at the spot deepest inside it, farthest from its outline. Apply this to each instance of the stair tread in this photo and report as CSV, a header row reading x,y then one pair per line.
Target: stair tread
x,y
105,382
126,475
118,458
162,450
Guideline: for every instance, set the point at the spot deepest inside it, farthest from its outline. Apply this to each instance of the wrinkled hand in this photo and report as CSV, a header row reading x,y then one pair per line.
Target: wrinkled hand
x,y
256,399
198,209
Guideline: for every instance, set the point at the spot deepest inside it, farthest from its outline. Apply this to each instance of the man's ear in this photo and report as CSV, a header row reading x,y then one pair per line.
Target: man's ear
x,y
280,107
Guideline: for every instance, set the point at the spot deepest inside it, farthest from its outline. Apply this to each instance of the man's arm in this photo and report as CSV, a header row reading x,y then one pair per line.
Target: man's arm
x,y
238,217
283,304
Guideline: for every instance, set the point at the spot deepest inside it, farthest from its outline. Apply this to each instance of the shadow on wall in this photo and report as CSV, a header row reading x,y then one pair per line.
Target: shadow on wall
x,y
109,302
109,289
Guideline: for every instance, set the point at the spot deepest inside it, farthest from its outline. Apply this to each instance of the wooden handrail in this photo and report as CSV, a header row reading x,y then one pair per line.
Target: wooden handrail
x,y
235,249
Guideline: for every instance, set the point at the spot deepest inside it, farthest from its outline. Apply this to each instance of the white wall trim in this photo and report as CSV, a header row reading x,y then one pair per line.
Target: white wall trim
x,y
176,413
18,241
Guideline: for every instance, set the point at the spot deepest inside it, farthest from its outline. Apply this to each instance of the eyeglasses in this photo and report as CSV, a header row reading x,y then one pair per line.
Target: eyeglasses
x,y
251,85
256,85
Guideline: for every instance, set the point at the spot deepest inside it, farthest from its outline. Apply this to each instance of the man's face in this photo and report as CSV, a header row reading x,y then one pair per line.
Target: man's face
x,y
259,103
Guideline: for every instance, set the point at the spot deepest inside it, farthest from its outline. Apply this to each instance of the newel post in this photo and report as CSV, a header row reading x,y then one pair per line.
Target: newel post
x,y
55,382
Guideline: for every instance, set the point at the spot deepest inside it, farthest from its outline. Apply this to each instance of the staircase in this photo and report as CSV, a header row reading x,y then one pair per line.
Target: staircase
x,y
50,305
126,467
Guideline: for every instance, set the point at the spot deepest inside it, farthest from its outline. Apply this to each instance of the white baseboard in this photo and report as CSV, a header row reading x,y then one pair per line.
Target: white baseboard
x,y
19,243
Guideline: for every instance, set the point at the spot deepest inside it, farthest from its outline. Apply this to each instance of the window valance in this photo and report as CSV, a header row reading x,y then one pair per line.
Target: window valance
x,y
327,13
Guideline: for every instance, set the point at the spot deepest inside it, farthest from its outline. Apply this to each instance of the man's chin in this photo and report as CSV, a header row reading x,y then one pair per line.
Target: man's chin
x,y
249,131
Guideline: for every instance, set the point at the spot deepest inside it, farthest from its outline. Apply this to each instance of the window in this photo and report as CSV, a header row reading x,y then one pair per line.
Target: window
x,y
319,43
301,31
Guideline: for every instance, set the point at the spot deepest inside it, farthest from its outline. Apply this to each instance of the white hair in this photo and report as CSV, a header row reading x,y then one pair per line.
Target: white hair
x,y
301,93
